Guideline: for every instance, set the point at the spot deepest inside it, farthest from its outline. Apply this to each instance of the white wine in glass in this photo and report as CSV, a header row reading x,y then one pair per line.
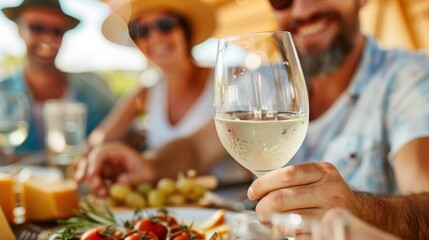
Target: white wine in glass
x,y
261,101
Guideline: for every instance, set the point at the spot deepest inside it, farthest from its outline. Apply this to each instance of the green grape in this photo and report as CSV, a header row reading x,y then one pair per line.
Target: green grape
x,y
156,198
135,200
111,202
185,185
176,200
144,188
166,186
191,173
197,193
119,191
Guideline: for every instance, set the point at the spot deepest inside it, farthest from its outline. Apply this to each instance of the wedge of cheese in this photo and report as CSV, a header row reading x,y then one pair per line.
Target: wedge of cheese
x,y
7,196
48,199
5,230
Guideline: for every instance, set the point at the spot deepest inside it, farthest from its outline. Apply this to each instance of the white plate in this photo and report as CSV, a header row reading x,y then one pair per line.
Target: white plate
x,y
182,214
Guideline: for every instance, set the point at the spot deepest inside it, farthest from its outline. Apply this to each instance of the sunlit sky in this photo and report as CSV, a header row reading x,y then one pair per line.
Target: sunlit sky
x,y
84,48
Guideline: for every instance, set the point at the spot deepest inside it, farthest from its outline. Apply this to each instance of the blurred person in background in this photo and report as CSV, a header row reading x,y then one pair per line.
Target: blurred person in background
x,y
179,103
368,131
42,25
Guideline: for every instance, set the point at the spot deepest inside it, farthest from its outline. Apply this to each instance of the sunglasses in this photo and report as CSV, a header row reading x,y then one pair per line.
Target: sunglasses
x,y
165,25
280,4
39,29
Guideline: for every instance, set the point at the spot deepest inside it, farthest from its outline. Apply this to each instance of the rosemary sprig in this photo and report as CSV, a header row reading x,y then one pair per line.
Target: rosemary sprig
x,y
66,234
86,218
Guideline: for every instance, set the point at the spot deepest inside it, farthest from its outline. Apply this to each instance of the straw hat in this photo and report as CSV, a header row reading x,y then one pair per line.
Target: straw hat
x,y
199,15
13,12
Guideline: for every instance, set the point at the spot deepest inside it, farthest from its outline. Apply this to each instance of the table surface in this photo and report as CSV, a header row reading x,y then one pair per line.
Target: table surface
x,y
229,196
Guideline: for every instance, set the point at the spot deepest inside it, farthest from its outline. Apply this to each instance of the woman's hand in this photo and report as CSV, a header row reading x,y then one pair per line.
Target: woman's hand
x,y
113,162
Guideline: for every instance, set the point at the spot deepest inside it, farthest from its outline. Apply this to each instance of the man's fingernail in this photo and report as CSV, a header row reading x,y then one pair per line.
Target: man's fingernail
x,y
250,194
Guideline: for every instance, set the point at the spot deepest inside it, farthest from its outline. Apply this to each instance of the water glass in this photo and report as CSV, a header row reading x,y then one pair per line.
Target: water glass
x,y
292,225
13,123
281,226
250,226
65,131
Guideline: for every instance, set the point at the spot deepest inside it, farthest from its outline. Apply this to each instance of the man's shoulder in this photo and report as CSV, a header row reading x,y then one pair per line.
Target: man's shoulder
x,y
84,76
400,56
4,80
404,55
394,61
86,80
408,64
86,84
11,80
10,76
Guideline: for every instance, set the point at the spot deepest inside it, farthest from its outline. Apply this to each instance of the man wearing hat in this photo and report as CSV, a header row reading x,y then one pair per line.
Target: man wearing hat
x,y
42,25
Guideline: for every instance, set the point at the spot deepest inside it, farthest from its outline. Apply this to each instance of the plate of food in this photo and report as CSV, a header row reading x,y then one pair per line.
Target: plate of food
x,y
177,223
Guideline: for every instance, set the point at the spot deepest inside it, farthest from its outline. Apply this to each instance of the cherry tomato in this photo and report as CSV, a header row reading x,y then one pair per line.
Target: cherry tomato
x,y
175,229
142,236
97,234
147,225
180,236
170,220
190,234
118,234
196,235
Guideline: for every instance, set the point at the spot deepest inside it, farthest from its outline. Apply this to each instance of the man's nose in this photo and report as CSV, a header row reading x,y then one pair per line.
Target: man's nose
x,y
51,39
304,9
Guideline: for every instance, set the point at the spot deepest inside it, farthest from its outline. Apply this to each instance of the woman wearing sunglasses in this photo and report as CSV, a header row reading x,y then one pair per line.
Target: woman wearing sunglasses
x,y
165,31
181,102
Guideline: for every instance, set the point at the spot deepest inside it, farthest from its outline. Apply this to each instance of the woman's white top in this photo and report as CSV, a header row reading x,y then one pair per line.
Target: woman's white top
x,y
159,128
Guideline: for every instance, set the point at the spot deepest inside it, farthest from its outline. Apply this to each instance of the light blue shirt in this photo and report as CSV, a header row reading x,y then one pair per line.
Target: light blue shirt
x,y
86,88
385,106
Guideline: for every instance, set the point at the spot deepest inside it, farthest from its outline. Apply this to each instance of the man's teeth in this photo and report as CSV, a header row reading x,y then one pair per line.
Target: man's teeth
x,y
311,28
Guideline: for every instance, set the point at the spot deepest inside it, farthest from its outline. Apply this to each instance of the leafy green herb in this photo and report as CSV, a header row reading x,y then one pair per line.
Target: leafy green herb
x,y
86,218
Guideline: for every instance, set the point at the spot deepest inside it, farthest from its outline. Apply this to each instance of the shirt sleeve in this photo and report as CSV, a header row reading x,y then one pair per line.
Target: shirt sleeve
x,y
408,104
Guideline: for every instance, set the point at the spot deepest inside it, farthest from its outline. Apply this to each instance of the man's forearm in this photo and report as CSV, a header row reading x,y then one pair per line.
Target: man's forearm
x,y
405,216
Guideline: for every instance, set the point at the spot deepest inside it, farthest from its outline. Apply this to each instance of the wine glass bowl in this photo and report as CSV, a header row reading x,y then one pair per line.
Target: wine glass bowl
x,y
13,120
261,100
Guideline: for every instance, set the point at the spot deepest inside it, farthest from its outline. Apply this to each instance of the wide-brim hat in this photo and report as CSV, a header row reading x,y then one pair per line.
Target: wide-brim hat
x,y
199,15
13,12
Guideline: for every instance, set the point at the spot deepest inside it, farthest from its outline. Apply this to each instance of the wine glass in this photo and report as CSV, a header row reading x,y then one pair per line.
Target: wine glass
x,y
261,101
13,121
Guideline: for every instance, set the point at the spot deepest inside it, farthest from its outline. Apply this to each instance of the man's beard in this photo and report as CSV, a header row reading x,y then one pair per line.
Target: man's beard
x,y
328,61
324,63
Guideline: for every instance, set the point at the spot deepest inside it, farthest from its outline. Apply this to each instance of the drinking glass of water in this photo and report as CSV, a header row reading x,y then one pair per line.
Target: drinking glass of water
x,y
14,114
65,131
261,101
